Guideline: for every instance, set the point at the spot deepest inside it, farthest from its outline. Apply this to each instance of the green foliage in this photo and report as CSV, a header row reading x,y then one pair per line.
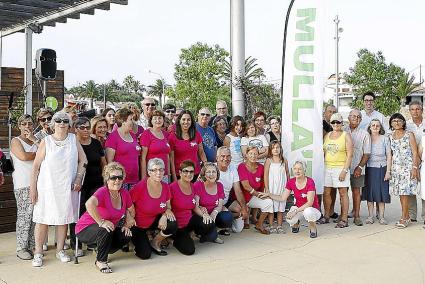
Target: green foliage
x,y
199,76
388,81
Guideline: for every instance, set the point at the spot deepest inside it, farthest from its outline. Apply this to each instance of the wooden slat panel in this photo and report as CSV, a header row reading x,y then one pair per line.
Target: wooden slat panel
x,y
5,228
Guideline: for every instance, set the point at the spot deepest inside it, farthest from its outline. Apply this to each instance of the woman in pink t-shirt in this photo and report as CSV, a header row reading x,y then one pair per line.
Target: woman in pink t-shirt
x,y
154,142
306,202
189,216
122,147
108,218
209,195
151,198
251,177
186,144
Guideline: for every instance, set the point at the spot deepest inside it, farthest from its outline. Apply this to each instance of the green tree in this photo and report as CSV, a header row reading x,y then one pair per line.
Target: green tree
x,y
157,89
372,73
252,70
405,87
199,76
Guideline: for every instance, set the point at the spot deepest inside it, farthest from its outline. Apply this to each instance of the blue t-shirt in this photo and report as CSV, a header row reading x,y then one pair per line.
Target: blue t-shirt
x,y
208,141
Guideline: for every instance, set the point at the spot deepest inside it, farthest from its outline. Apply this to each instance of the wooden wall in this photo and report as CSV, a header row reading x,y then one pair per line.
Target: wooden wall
x,y
12,80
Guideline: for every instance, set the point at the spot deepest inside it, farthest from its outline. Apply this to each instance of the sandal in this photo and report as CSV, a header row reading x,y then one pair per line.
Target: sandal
x,y
313,235
382,221
369,220
296,229
262,230
323,220
402,223
342,224
104,268
280,230
246,226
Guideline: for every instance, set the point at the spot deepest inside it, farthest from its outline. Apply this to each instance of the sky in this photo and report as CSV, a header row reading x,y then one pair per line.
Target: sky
x,y
148,35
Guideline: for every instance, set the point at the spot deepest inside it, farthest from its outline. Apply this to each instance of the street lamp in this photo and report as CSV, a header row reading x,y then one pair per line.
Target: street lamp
x,y
338,30
163,88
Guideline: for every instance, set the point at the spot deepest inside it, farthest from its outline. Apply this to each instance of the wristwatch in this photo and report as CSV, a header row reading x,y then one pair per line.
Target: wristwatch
x,y
362,168
346,170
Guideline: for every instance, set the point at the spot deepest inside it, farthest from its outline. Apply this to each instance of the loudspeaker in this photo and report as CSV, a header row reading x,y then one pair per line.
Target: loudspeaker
x,y
45,64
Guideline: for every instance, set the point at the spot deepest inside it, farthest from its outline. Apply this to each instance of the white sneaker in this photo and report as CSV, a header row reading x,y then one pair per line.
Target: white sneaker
x,y
37,261
45,248
80,253
63,256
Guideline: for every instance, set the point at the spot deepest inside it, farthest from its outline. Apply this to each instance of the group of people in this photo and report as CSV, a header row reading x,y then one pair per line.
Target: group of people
x,y
158,178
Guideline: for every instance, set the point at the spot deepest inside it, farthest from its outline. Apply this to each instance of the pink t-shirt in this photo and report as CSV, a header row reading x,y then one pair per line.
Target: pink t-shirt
x,y
147,207
157,148
185,150
140,130
182,204
207,200
105,209
127,154
255,179
300,195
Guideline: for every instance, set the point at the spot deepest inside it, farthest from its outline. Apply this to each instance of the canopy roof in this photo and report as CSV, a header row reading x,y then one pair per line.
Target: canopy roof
x,y
16,15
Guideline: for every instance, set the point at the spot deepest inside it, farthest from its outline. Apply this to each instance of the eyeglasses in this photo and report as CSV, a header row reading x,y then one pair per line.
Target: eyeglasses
x,y
211,172
204,114
45,119
59,120
188,172
149,105
354,116
83,127
170,111
397,121
157,118
336,122
121,177
161,170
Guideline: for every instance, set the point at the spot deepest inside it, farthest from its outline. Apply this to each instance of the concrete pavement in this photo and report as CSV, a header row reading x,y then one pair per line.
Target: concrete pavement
x,y
369,254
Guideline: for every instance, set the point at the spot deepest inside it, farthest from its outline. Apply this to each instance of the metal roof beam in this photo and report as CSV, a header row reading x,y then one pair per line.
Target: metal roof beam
x,y
79,7
37,3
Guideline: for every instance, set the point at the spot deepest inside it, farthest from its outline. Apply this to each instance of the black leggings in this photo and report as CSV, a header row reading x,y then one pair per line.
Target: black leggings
x,y
140,238
107,242
182,240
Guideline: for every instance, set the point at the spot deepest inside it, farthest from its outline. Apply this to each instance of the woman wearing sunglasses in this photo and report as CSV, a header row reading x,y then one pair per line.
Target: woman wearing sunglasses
x,y
57,173
44,117
109,217
151,198
190,218
96,162
23,154
338,151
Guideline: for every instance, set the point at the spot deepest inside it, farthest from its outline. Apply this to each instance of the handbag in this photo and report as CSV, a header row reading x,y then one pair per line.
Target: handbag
x,y
6,165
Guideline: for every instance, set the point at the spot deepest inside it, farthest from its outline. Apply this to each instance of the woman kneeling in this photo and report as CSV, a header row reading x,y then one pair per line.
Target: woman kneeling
x,y
151,198
306,203
108,219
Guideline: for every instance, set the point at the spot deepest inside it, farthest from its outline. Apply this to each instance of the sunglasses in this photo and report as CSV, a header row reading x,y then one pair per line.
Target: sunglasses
x,y
45,119
83,127
187,172
336,122
157,170
150,105
59,120
170,111
205,114
116,177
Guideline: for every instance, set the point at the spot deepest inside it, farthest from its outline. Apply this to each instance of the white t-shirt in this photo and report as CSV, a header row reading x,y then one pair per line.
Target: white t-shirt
x,y
228,178
366,119
259,141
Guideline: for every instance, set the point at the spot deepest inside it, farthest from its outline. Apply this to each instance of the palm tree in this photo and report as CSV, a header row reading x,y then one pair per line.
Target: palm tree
x,y
252,71
133,86
90,90
157,90
405,87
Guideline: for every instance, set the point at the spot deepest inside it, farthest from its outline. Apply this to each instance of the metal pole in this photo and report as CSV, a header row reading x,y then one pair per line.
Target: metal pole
x,y
28,71
238,55
336,103
231,51
104,97
44,92
162,101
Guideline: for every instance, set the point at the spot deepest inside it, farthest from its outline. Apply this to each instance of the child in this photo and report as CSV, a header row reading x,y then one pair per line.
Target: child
x,y
276,173
233,139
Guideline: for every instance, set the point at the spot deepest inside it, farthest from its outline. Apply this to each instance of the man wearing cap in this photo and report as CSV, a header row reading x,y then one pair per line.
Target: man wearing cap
x,y
361,152
207,132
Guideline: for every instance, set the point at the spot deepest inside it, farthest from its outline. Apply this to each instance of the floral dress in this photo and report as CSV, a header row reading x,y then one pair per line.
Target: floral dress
x,y
402,163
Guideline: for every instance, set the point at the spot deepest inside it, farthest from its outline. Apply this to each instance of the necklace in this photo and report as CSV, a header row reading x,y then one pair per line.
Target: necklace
x,y
114,196
60,143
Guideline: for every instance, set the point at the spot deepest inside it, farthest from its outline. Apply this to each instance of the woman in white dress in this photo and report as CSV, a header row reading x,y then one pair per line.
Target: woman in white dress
x,y
56,178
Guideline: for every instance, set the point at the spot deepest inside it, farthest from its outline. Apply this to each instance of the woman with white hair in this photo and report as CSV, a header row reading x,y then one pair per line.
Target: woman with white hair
x,y
306,202
151,197
56,178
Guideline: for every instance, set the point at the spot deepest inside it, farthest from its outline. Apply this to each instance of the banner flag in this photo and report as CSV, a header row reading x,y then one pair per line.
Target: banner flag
x,y
303,88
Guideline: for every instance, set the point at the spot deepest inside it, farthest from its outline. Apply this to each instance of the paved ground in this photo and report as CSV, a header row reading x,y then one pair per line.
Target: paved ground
x,y
368,254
